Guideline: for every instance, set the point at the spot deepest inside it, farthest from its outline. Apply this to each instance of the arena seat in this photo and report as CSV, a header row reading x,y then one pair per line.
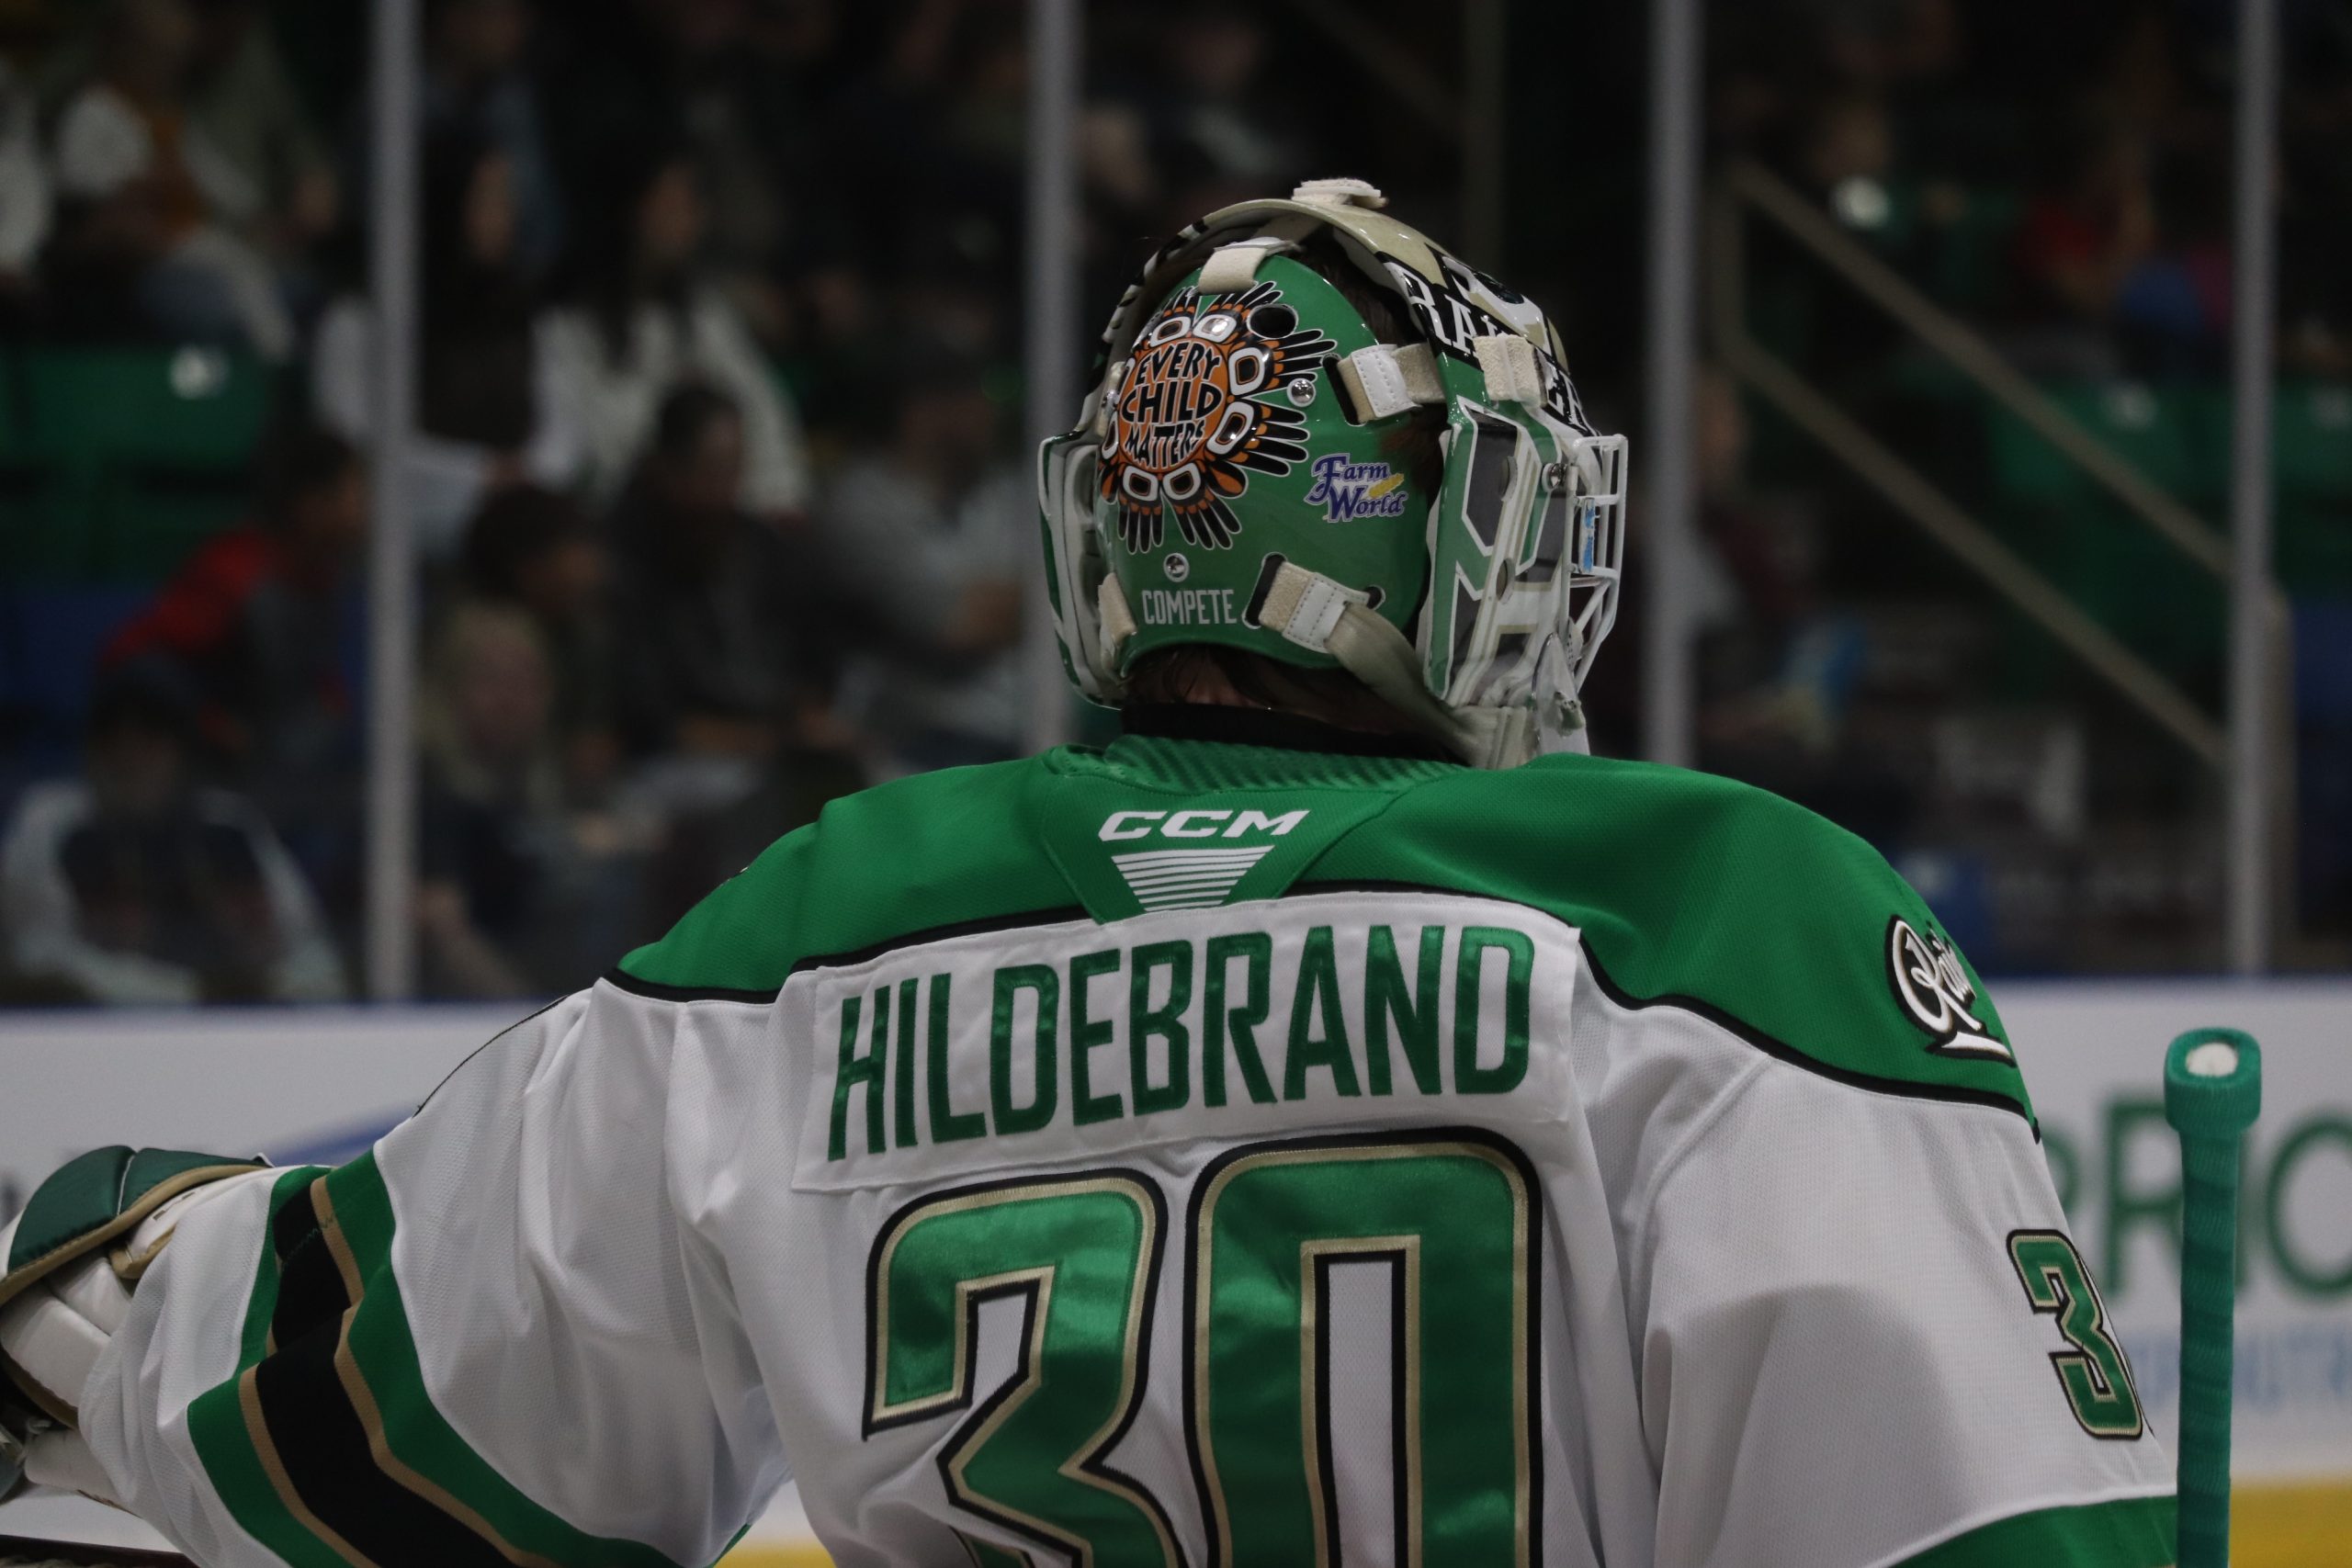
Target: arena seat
x,y
2311,440
115,462
50,637
2167,433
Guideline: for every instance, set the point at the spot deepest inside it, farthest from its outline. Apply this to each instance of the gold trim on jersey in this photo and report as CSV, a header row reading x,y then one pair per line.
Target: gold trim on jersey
x,y
273,1466
363,1398
1040,1285
1204,1230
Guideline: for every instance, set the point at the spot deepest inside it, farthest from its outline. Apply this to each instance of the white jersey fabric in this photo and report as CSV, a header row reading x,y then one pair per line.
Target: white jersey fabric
x,y
1590,1165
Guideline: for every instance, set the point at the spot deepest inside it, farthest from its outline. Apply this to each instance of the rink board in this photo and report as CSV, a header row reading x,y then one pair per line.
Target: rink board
x,y
317,1085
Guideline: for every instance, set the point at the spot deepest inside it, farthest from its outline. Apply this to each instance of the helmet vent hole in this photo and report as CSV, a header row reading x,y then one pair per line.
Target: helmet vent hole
x,y
1273,320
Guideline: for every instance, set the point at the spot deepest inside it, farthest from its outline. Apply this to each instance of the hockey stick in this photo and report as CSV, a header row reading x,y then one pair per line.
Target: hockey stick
x,y
2212,1093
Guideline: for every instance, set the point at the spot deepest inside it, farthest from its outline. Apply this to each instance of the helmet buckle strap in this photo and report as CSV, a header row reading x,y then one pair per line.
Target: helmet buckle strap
x,y
1508,362
1231,268
1340,192
1115,620
1303,606
1382,379
1318,613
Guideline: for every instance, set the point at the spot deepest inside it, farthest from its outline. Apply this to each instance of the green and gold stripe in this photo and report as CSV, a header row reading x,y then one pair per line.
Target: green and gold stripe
x,y
326,1446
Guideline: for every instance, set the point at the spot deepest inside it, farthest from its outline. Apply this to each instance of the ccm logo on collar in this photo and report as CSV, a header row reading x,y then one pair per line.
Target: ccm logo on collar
x,y
1195,824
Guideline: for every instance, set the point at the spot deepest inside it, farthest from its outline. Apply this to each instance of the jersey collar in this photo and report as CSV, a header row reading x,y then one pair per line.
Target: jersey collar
x,y
1195,746
1268,728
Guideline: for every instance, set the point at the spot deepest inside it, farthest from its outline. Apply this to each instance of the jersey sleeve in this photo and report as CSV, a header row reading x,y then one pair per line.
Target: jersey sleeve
x,y
1866,1340
495,1338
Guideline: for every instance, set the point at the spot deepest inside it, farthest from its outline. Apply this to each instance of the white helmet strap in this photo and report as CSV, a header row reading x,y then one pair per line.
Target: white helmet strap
x,y
1318,613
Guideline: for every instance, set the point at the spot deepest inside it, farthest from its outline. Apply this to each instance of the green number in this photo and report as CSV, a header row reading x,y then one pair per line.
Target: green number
x,y
1453,1216
2097,1379
1082,1255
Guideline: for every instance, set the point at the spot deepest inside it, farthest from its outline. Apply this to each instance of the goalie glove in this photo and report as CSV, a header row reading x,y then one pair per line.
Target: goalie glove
x,y
73,1258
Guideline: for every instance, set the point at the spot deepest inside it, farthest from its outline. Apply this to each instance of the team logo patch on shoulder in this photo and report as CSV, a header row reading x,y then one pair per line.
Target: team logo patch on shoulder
x,y
1204,401
1934,990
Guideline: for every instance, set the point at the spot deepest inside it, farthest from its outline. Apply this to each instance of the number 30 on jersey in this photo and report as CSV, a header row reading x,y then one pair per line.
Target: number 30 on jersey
x,y
1452,1215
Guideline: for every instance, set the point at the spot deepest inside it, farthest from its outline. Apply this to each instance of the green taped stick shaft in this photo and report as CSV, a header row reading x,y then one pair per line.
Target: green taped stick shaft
x,y
2212,1093
2207,1354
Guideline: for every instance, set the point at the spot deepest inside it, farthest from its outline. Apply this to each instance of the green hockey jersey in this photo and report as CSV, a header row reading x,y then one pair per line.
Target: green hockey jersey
x,y
1235,1146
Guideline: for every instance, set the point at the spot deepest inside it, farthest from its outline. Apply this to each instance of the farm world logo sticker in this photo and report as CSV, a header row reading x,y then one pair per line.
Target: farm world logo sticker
x,y
1346,489
1933,988
1203,403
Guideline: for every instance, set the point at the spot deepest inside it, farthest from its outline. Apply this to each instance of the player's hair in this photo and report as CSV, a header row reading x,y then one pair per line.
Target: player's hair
x,y
1212,673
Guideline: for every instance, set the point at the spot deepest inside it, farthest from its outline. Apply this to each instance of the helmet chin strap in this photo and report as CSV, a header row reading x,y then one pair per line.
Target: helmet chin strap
x,y
1316,613
1559,713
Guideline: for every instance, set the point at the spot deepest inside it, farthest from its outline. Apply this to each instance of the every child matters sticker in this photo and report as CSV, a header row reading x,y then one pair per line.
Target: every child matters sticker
x,y
1202,404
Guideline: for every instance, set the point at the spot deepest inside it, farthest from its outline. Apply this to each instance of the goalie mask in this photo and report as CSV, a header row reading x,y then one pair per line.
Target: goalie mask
x,y
1244,474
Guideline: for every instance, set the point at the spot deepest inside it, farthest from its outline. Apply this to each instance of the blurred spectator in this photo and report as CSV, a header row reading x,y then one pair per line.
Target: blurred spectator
x,y
733,639
729,627
2175,314
744,90
2084,238
1846,160
773,166
2131,281
1217,130
1885,42
643,319
491,402
147,199
1780,662
534,550
938,529
938,123
517,898
2315,205
264,620
1781,665
133,885
243,102
734,108
476,84
24,195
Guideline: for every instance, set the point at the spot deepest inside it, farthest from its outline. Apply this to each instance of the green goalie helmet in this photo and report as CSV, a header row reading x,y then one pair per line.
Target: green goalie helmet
x,y
1245,474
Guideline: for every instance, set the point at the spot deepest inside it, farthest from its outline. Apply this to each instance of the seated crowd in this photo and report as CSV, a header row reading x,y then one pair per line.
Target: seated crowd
x,y
715,486
665,617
